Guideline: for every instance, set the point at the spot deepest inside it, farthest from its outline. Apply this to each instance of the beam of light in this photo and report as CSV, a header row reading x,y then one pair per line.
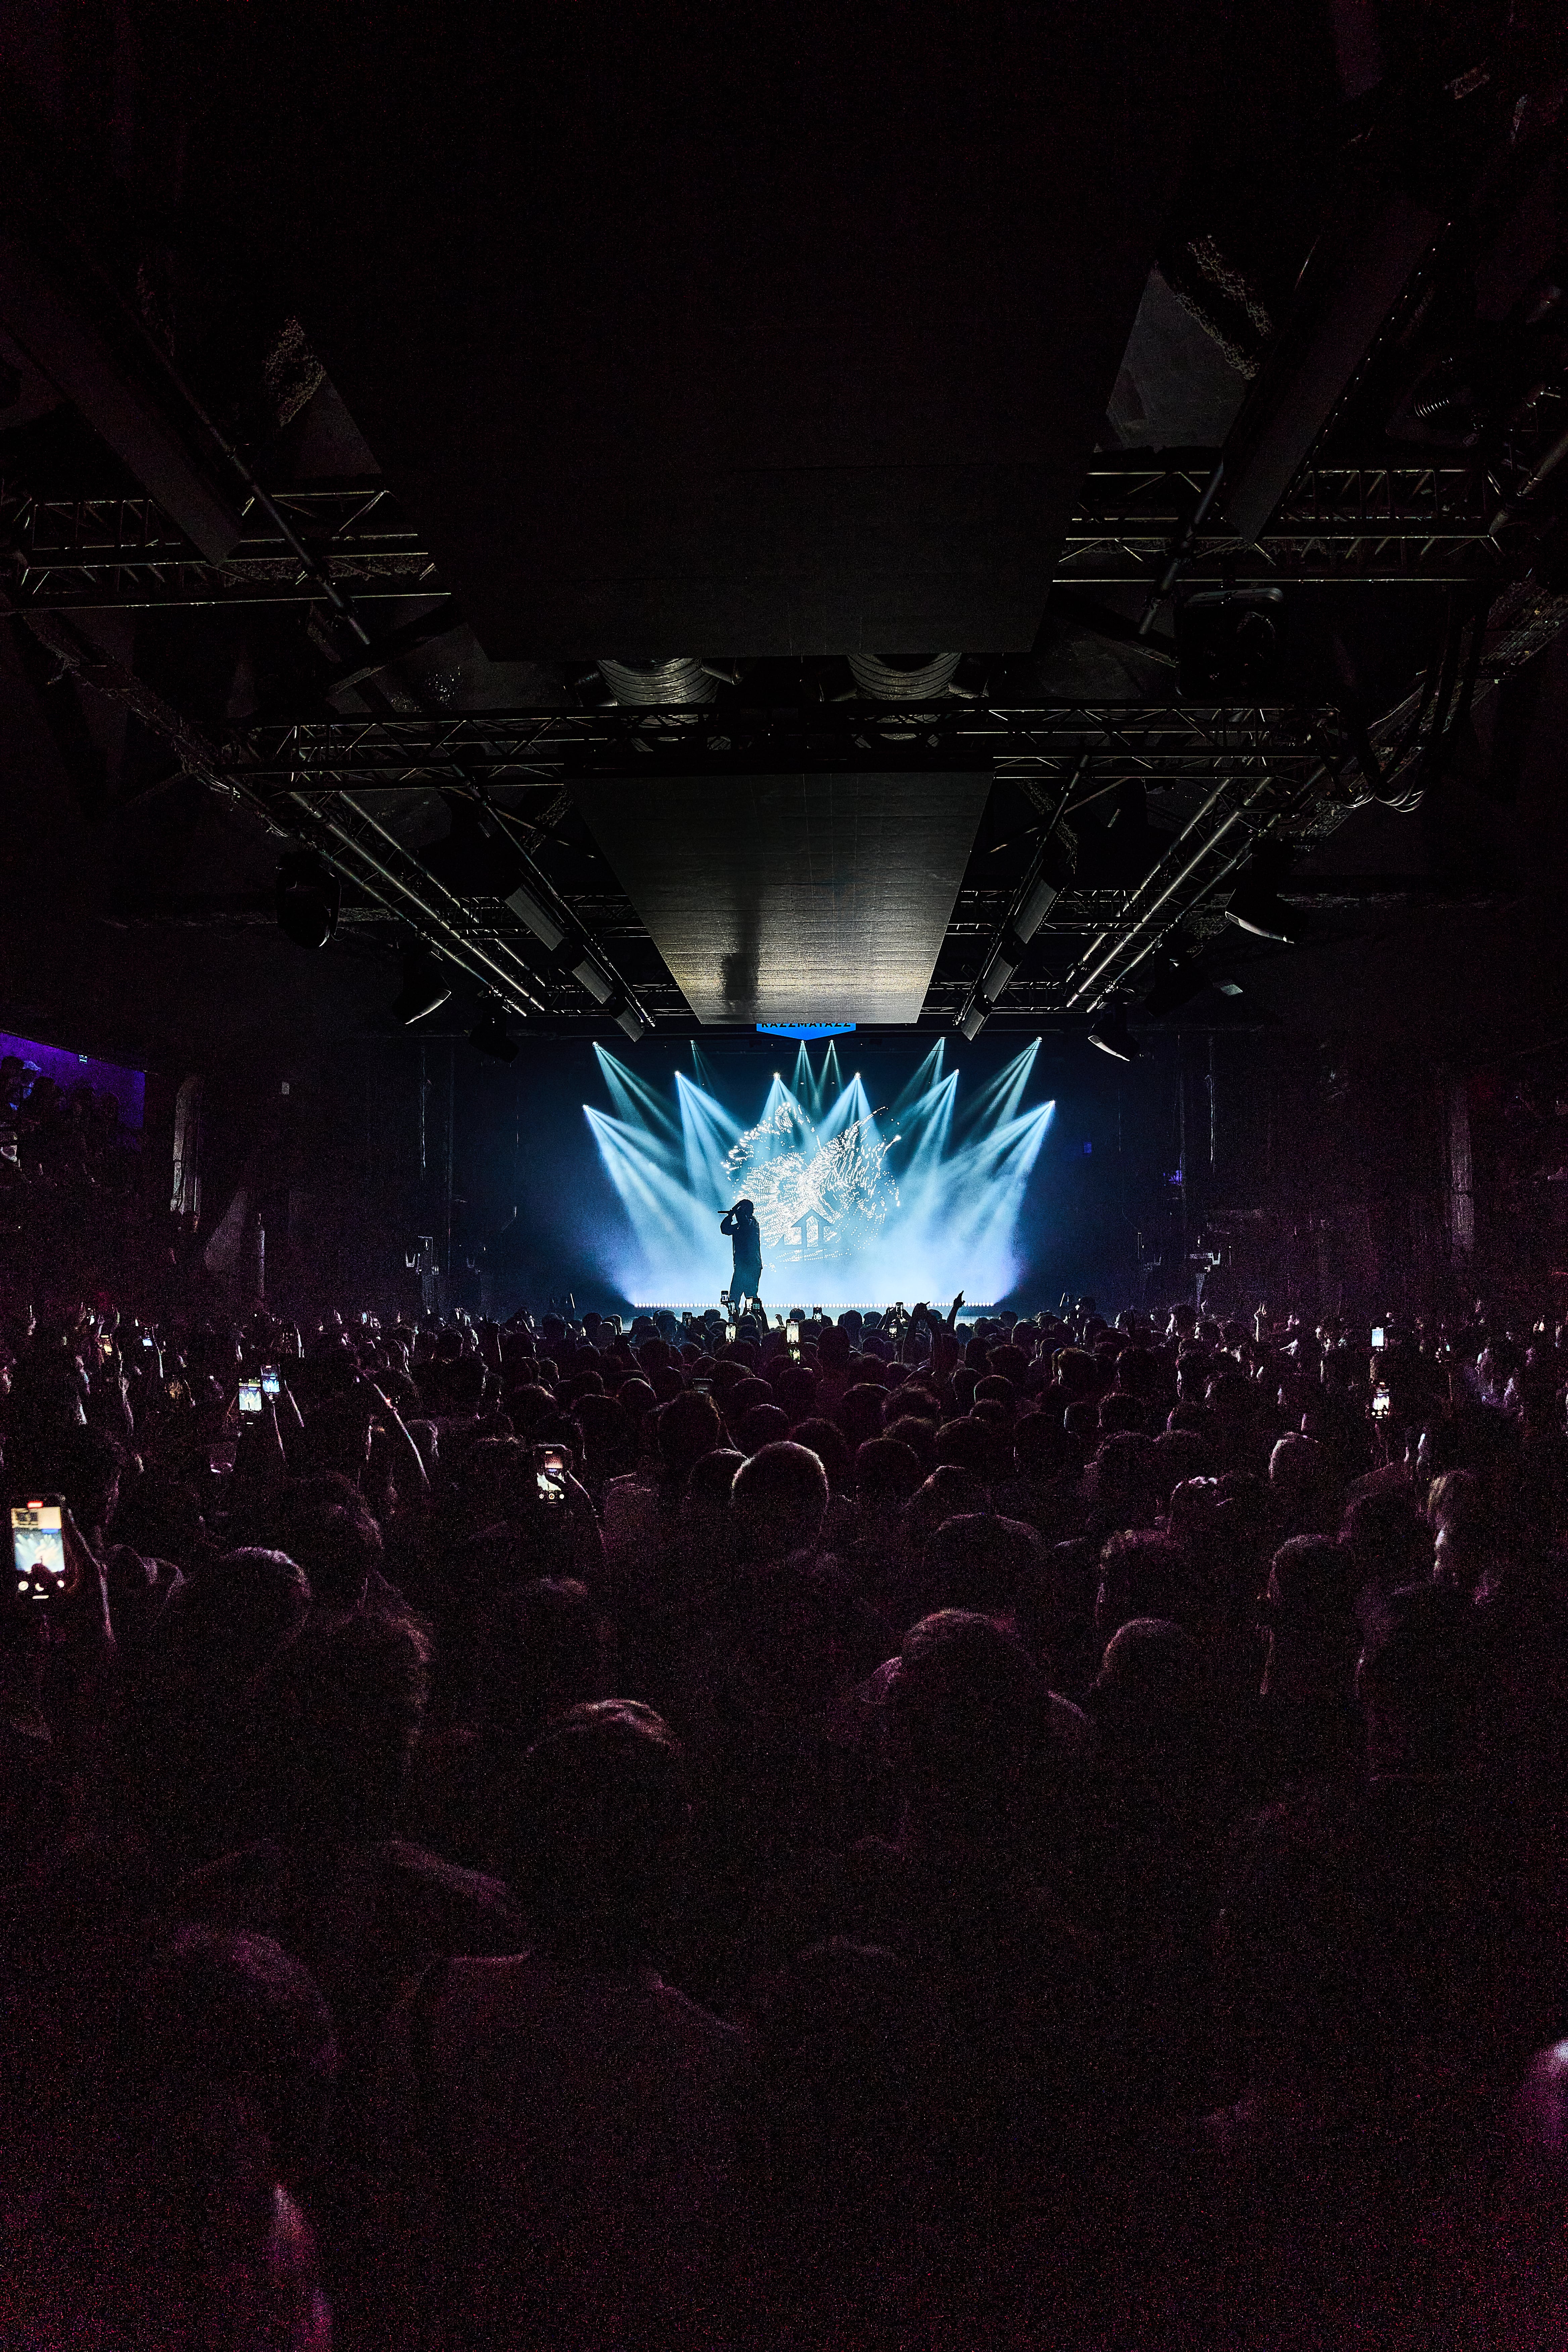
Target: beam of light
x,y
925,1076
990,1203
928,1126
851,1102
654,1207
672,1222
801,1082
852,1205
707,1133
633,1097
998,1100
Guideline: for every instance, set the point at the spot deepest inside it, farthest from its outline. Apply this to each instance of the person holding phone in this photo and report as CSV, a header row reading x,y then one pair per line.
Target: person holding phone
x,y
37,1542
57,1666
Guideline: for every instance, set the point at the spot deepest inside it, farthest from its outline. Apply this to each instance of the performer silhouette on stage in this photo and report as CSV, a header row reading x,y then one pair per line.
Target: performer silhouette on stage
x,y
747,1236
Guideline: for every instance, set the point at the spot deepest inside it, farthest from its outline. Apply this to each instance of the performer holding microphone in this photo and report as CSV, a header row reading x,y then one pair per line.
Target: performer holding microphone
x,y
745,1282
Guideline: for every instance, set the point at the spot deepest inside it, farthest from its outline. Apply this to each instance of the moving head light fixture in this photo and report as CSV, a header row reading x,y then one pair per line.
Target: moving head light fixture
x,y
554,935
634,1021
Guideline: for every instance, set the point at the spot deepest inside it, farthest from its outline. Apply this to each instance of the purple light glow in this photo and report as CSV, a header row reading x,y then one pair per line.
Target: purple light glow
x,y
129,1088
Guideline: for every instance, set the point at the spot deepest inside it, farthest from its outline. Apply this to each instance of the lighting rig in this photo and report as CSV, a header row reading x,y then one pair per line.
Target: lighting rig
x,y
1397,439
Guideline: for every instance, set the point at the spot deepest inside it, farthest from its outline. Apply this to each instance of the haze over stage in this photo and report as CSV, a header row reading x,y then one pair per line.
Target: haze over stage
x,y
935,1212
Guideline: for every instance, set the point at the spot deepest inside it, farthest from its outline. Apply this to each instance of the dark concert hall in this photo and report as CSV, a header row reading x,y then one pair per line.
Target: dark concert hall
x,y
783,1176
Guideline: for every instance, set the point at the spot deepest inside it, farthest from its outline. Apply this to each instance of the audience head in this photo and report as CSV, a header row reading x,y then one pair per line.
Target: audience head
x,y
779,1501
1142,1574
688,1427
1124,1478
215,2011
1147,1696
1044,1450
1419,1683
859,1414
1308,1612
947,1494
976,1561
827,1442
338,1715
596,1821
970,1710
1302,1481
1389,1543
886,1472
546,1649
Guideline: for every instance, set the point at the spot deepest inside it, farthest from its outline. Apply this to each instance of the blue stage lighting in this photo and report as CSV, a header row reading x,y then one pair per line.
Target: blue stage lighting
x,y
855,1200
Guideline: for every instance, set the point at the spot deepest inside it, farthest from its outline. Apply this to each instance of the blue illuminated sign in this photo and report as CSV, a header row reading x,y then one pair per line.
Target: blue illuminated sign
x,y
806,1028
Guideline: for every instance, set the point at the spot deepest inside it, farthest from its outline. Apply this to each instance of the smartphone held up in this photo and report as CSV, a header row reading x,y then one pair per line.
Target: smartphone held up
x,y
552,1467
38,1548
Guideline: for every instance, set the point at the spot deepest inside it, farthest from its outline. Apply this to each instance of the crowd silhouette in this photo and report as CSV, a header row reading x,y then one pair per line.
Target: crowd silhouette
x,y
930,1833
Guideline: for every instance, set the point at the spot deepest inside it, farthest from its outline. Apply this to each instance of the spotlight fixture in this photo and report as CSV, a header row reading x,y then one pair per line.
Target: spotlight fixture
x,y
424,990
309,898
489,1034
1108,1032
584,970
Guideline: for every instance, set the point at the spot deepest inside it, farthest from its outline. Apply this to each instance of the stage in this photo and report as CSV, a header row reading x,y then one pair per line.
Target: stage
x,y
910,1188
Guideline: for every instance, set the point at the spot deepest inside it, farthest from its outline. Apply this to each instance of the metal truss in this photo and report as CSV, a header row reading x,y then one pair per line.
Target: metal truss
x,y
1336,522
1436,522
125,554
1225,775
1158,743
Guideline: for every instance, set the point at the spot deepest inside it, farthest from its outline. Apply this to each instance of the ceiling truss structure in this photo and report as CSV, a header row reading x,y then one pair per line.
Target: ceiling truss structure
x,y
1443,521
1221,778
1403,428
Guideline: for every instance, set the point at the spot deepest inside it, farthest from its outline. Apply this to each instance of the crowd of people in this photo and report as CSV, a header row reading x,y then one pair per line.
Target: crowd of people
x,y
70,1140
880,1832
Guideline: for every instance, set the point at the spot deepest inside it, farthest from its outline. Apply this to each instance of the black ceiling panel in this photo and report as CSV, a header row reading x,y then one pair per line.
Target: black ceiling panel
x,y
744,330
